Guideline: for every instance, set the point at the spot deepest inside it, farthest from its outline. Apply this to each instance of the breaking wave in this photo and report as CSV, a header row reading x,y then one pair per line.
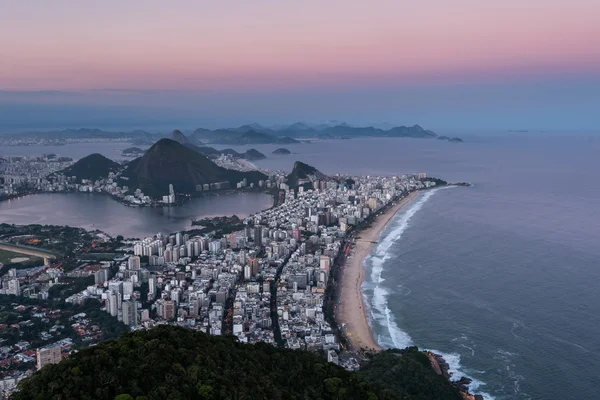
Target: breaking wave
x,y
379,311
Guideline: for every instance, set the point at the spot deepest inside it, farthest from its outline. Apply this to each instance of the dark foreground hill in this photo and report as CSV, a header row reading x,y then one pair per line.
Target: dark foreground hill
x,y
94,167
169,162
408,373
176,363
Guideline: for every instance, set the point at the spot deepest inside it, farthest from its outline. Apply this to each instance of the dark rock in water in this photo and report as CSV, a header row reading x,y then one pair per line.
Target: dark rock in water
x,y
282,151
449,139
253,154
463,383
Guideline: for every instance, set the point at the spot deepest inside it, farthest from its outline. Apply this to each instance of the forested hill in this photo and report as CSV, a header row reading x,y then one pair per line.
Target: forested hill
x,y
176,363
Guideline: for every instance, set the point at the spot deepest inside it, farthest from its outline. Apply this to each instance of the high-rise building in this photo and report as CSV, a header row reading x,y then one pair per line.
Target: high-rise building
x,y
152,283
325,263
14,287
134,262
169,310
101,276
127,289
130,314
48,355
116,287
253,264
112,304
258,236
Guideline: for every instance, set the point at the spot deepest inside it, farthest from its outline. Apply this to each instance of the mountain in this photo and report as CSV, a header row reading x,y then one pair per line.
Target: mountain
x,y
253,154
252,137
169,162
345,130
210,152
410,131
94,167
303,174
282,151
177,136
169,362
244,135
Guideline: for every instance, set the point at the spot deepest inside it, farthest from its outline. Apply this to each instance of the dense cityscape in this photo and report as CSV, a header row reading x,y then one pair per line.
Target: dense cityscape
x,y
266,282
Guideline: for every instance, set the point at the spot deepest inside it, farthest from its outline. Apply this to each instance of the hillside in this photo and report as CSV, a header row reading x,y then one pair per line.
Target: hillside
x,y
176,363
408,373
169,362
169,162
94,167
302,174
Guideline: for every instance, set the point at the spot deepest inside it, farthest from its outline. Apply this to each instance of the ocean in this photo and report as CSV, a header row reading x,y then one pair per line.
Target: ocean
x,y
503,278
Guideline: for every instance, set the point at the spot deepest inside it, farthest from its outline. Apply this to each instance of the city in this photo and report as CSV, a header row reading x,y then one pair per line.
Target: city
x,y
267,282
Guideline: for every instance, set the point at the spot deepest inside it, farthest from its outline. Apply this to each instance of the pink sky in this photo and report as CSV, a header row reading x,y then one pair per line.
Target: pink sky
x,y
74,45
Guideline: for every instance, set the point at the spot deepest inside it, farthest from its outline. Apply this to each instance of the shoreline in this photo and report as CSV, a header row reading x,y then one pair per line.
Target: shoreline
x,y
352,310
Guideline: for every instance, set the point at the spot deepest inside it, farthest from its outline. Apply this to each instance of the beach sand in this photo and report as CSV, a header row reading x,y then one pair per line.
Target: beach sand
x,y
351,310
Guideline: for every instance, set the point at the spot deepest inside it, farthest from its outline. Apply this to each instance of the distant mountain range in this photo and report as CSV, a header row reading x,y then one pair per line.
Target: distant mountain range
x,y
170,162
257,134
211,152
249,134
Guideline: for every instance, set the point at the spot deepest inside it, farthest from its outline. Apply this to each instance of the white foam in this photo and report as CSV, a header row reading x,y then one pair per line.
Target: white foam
x,y
380,312
455,368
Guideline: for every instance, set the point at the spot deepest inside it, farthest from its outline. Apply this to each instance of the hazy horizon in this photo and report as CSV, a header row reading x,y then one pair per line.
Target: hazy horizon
x,y
465,65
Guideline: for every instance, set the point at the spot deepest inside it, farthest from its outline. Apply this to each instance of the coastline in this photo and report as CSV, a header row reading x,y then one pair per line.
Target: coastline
x,y
351,310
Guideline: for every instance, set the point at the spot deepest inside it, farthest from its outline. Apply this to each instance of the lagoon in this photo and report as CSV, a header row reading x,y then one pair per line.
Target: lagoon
x,y
98,211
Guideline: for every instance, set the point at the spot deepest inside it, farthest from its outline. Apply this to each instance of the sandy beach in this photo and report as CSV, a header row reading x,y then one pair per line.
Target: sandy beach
x,y
352,311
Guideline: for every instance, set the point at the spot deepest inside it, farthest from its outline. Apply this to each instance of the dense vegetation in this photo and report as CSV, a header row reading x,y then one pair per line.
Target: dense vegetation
x,y
175,363
408,373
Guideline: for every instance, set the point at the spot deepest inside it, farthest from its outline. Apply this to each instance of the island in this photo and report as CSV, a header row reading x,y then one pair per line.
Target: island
x,y
133,152
282,151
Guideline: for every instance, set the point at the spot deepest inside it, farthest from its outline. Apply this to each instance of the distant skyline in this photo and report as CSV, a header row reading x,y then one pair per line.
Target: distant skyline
x,y
464,64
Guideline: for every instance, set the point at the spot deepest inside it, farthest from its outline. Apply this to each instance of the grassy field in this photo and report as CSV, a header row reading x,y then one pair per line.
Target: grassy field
x,y
6,256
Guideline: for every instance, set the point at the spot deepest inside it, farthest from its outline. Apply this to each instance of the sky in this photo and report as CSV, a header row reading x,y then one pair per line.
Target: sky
x,y
445,64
